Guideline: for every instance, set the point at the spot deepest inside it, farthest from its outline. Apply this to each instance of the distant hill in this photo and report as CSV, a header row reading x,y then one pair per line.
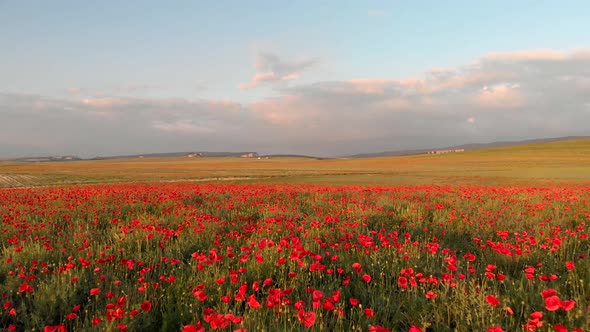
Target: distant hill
x,y
466,147
291,156
251,154
181,154
41,159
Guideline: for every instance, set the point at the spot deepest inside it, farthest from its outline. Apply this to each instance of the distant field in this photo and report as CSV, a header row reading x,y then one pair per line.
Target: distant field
x,y
557,162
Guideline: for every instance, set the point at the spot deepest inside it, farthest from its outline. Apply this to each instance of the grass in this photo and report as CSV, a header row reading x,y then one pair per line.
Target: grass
x,y
89,258
161,244
562,162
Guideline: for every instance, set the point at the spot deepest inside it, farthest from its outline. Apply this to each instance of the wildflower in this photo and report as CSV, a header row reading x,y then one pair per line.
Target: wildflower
x,y
146,306
552,303
402,282
252,302
431,295
307,318
492,300
548,293
193,328
567,305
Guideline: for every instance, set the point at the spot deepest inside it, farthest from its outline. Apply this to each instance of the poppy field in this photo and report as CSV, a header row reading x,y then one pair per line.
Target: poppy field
x,y
277,257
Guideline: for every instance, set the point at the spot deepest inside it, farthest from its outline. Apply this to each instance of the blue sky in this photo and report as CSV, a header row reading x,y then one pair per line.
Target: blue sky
x,y
268,64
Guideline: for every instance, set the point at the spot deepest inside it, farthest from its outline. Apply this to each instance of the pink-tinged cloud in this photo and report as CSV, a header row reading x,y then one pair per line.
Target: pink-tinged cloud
x,y
186,126
500,96
282,111
226,105
395,104
548,55
259,79
371,86
512,96
104,102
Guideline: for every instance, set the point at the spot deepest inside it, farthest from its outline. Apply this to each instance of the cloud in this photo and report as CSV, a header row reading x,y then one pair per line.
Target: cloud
x,y
535,55
271,69
105,126
506,96
104,102
510,96
186,126
500,96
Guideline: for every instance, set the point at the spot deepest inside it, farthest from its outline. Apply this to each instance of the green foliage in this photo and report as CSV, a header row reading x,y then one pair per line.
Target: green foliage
x,y
164,243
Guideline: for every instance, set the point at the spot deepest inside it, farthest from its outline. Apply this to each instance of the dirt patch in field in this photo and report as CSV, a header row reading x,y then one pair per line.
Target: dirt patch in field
x,y
16,180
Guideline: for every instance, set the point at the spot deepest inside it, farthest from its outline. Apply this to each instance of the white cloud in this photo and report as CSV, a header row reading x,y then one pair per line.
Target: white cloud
x,y
271,69
500,96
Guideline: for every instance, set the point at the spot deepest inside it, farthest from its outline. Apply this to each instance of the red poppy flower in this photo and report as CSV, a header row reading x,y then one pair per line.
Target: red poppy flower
x,y
252,302
56,328
495,329
146,306
548,292
307,318
402,282
552,303
492,300
24,287
199,294
567,305
559,328
193,328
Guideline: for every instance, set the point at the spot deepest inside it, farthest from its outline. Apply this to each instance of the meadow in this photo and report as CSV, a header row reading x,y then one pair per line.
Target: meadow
x,y
538,164
492,240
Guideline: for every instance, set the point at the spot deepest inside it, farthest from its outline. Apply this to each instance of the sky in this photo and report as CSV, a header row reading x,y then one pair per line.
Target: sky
x,y
325,78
